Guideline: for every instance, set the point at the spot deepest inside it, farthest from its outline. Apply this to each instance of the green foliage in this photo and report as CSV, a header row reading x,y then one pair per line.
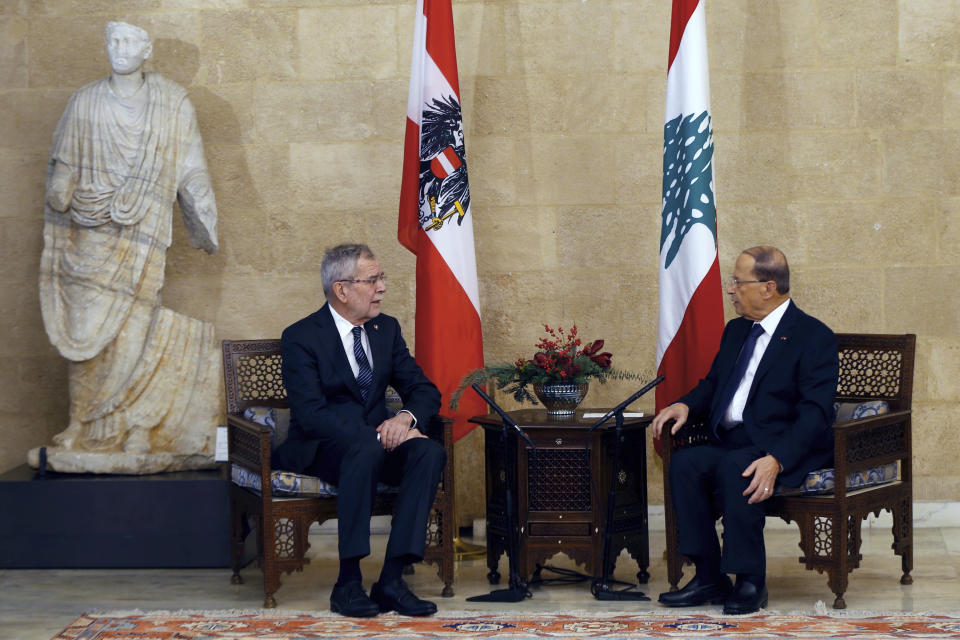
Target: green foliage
x,y
561,358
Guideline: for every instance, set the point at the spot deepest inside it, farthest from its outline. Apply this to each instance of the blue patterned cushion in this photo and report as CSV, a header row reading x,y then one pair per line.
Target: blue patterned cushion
x,y
847,411
393,400
285,484
822,480
277,419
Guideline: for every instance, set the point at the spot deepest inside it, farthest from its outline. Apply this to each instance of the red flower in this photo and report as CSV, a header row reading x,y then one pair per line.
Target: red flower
x,y
558,352
603,359
595,346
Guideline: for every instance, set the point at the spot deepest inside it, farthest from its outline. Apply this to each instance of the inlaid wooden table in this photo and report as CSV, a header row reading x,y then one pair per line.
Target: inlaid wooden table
x,y
562,489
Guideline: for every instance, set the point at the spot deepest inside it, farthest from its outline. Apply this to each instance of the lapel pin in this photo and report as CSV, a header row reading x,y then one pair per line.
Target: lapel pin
x,y
377,327
784,338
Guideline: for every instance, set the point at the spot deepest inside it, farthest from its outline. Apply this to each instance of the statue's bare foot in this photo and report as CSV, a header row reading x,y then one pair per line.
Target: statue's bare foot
x,y
66,438
137,441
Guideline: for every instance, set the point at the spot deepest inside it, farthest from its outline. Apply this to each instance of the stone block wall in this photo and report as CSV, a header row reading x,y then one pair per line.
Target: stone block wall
x,y
837,128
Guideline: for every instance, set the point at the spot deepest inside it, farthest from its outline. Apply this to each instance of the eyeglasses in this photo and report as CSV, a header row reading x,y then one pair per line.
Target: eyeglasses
x,y
382,277
734,282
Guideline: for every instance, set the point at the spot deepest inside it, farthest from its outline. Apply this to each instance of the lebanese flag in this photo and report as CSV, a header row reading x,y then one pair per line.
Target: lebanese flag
x,y
691,298
435,221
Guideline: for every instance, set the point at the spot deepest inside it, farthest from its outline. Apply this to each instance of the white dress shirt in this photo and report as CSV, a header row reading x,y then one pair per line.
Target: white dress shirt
x,y
734,413
345,329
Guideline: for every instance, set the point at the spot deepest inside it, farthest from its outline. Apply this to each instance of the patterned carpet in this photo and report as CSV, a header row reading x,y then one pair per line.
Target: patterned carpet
x,y
239,625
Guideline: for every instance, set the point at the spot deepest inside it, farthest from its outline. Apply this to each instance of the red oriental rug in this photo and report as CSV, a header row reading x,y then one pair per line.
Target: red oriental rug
x,y
239,625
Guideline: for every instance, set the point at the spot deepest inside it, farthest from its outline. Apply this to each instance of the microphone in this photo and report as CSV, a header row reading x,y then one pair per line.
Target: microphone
x,y
503,414
623,405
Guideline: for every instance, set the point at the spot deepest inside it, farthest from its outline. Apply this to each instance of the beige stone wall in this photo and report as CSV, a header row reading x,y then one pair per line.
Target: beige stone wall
x,y
837,134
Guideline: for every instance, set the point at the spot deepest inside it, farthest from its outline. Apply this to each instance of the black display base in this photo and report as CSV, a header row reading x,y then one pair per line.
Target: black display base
x,y
69,520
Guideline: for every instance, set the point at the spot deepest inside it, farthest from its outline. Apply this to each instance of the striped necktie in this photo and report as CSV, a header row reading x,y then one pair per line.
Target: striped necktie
x,y
364,372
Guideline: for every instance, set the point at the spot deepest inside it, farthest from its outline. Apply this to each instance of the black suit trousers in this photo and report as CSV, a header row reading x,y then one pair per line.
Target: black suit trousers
x,y
356,464
706,482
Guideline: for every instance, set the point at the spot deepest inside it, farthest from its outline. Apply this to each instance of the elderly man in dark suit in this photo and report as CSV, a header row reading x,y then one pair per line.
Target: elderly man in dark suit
x,y
768,399
337,363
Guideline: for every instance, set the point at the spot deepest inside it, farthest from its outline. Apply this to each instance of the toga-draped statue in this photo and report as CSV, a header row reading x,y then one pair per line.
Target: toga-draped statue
x,y
145,381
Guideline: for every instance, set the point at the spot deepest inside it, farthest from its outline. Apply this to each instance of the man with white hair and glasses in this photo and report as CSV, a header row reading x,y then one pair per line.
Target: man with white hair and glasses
x,y
768,400
337,363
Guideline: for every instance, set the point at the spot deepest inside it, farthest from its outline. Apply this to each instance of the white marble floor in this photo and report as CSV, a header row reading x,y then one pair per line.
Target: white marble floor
x,y
36,604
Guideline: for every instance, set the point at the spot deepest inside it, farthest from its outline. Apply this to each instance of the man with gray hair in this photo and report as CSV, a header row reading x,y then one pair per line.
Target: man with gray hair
x,y
337,363
768,399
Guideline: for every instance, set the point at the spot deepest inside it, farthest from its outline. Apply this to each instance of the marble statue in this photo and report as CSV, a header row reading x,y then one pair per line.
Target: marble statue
x,y
145,381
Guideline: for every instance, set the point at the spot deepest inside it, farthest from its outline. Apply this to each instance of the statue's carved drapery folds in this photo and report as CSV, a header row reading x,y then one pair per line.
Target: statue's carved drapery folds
x,y
144,380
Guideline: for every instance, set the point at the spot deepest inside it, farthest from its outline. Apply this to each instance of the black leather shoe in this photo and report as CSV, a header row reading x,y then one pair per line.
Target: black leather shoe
x,y
396,596
697,593
351,600
745,598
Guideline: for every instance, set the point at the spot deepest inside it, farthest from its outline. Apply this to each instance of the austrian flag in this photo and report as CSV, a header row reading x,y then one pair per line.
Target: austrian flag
x,y
435,221
691,300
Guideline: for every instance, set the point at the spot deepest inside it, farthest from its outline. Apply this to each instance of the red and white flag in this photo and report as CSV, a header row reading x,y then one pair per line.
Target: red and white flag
x,y
691,298
435,221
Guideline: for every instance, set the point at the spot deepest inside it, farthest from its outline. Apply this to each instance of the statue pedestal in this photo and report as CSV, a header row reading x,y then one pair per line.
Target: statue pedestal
x,y
73,521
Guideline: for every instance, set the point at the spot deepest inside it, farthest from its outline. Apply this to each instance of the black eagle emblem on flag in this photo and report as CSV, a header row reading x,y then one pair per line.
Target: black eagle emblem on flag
x,y
444,188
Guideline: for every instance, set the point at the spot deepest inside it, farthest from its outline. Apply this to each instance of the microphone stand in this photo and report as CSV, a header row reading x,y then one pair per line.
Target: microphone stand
x,y
601,587
517,589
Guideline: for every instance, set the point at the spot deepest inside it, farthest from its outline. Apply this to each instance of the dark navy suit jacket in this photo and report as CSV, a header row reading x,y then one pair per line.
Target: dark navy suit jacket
x,y
789,411
325,400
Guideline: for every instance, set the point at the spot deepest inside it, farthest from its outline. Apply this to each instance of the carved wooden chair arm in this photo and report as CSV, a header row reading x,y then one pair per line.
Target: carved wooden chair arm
x,y
248,444
871,442
689,435
870,423
440,430
249,426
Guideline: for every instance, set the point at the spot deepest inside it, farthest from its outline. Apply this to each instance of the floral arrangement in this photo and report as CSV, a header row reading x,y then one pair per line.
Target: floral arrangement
x,y
561,358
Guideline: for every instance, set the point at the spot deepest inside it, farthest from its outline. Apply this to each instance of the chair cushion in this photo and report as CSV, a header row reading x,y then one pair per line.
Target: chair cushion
x,y
847,411
284,484
822,480
278,419
393,400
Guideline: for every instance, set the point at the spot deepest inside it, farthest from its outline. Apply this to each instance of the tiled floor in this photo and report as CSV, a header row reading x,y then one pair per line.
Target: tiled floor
x,y
35,605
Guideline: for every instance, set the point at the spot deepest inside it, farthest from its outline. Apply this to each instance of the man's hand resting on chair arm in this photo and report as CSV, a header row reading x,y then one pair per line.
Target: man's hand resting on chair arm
x,y
676,411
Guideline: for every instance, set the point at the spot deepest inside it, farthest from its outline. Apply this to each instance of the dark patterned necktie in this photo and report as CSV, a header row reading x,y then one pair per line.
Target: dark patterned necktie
x,y
364,372
739,369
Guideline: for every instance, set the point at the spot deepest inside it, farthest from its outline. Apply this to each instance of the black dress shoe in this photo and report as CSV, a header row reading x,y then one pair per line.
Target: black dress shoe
x,y
745,598
396,596
351,600
697,592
